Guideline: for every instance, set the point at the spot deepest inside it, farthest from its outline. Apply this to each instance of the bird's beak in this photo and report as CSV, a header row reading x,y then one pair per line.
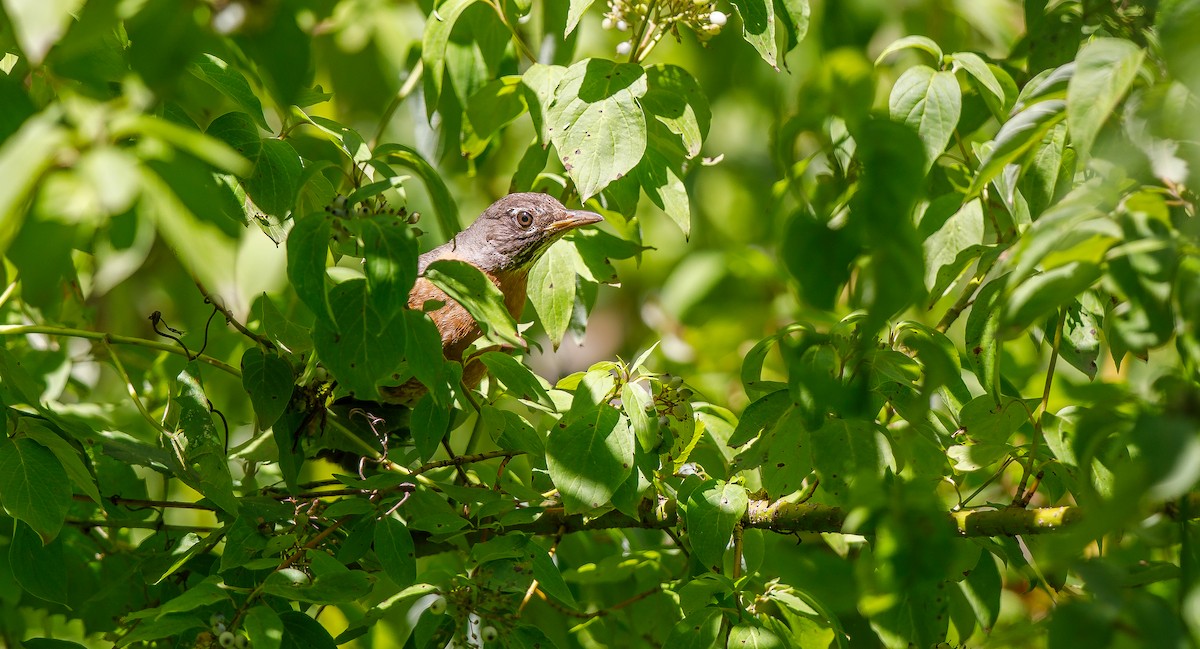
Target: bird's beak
x,y
573,219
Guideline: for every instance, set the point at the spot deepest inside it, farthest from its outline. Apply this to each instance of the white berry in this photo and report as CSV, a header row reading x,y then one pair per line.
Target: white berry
x,y
607,23
622,25
718,18
624,48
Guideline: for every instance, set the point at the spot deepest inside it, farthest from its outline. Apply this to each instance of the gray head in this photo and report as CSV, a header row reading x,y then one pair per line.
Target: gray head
x,y
514,231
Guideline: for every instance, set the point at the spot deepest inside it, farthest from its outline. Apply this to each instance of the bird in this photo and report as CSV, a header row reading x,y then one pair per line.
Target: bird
x,y
504,242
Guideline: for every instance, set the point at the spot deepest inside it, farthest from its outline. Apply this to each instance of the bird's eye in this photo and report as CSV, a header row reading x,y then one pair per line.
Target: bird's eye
x,y
524,218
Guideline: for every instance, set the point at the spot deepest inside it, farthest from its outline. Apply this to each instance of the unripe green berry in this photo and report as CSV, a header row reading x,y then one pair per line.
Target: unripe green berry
x,y
489,634
226,639
438,605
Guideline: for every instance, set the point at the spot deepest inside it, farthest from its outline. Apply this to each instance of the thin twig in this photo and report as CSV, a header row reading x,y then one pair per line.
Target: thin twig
x,y
148,504
460,460
1021,499
9,290
230,320
410,84
141,525
17,330
137,401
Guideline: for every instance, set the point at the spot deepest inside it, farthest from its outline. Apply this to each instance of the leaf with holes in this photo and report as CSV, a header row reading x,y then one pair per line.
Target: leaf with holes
x,y
596,123
590,458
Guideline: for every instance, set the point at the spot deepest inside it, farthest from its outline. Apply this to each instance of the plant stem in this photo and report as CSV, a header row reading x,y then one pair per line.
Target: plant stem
x,y
229,319
137,401
17,330
410,84
1023,500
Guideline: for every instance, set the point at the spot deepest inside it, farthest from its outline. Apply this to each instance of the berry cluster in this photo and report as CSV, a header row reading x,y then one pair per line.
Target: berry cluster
x,y
650,19
226,638
671,399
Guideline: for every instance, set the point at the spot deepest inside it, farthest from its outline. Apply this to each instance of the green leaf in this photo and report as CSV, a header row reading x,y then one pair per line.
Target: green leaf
x,y
433,46
984,420
496,104
208,149
468,286
229,82
439,194
674,98
274,180
696,631
1037,296
423,349
189,212
34,487
281,52
396,552
548,575
713,510
37,566
930,103
850,457
268,380
39,25
596,123
1015,137
916,42
264,627
590,458
1177,23
758,415
23,159
365,348
551,290
795,18
574,13
982,343
758,27
428,425
950,249
67,455
754,637
983,75
520,381
511,431
1081,334
205,467
541,81
1104,71
307,248
390,262
205,593
302,632
665,189
639,409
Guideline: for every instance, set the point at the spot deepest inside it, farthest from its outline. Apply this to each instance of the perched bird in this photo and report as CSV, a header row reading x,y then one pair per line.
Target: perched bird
x,y
504,242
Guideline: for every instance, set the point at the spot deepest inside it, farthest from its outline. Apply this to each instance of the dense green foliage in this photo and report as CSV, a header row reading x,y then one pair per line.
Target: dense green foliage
x,y
940,256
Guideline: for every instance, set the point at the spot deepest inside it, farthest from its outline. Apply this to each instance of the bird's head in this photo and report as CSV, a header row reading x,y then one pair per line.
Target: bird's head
x,y
514,231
